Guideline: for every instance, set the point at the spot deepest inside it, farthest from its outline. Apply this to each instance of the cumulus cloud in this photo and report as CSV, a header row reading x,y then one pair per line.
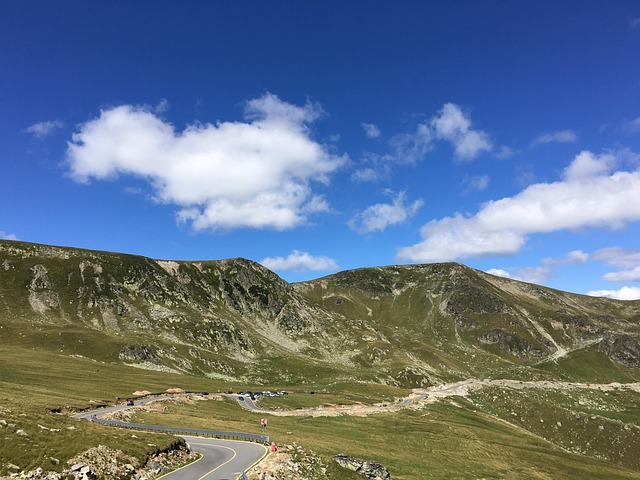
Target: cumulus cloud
x,y
625,293
42,129
451,125
371,130
455,127
589,195
256,174
632,275
299,262
499,272
381,215
561,136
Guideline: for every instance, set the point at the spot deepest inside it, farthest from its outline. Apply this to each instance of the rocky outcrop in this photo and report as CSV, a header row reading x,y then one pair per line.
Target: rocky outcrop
x,y
510,343
623,349
371,470
137,353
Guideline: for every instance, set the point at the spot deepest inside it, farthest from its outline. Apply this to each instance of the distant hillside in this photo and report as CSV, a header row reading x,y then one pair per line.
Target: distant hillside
x,y
234,319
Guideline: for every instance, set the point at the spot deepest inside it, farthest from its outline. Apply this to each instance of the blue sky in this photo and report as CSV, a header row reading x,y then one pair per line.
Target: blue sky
x,y
323,136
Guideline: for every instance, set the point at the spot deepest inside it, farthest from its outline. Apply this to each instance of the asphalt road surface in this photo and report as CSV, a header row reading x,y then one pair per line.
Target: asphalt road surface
x,y
221,459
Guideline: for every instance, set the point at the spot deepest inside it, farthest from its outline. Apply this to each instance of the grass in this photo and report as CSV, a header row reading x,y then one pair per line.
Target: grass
x,y
589,422
440,441
388,319
589,365
33,386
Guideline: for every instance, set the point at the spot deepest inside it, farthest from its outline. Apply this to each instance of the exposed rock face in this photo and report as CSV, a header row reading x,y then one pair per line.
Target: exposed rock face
x,y
137,353
236,320
623,349
510,343
371,470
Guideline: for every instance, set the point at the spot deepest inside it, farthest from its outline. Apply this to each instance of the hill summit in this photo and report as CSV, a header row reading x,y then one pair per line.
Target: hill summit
x,y
409,326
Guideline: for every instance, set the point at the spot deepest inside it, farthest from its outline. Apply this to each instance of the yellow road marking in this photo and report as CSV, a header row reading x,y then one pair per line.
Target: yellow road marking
x,y
222,464
185,466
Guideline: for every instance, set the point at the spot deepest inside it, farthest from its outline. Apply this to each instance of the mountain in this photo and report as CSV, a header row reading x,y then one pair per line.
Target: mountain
x,y
234,319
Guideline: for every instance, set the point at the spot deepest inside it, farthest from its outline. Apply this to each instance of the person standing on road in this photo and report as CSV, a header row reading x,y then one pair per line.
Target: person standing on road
x,y
274,447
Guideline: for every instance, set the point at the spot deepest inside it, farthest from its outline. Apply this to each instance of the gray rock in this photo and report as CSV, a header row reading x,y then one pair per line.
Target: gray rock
x,y
371,470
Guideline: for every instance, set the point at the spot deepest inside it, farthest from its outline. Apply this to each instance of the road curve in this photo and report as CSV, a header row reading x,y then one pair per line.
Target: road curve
x,y
221,459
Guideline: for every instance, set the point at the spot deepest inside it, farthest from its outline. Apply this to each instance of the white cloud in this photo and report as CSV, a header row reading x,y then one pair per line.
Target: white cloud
x,y
499,272
7,236
371,130
537,275
368,174
381,215
299,262
501,227
625,293
452,125
162,106
505,152
561,136
586,165
628,259
632,126
475,183
620,257
255,174
375,167
42,129
632,275
577,256
635,22
412,147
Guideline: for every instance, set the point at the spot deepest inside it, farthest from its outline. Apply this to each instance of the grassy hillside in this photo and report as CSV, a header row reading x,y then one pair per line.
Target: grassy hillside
x,y
74,323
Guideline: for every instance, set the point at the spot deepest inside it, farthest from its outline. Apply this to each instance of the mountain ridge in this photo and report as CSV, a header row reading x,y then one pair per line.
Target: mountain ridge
x,y
409,325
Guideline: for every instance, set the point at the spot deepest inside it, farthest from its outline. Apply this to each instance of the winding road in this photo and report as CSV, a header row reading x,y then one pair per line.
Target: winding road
x,y
220,460
228,459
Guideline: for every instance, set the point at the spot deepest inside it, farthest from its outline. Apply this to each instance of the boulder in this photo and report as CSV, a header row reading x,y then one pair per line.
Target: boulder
x,y
371,470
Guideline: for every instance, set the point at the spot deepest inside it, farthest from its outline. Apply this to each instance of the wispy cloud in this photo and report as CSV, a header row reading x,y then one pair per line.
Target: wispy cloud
x,y
7,236
381,215
450,125
42,129
561,136
588,195
541,273
300,262
475,183
253,174
635,22
625,258
505,152
631,126
412,147
371,130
